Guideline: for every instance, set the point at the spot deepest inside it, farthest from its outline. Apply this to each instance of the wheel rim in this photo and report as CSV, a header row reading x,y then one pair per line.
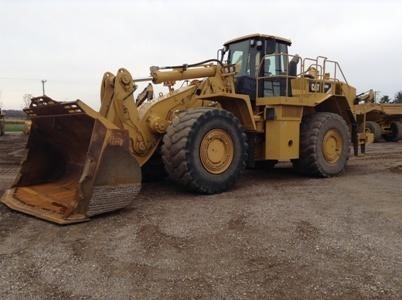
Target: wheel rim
x,y
216,151
332,146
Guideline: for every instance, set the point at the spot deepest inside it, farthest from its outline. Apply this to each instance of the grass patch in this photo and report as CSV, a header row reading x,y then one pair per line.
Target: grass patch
x,y
14,126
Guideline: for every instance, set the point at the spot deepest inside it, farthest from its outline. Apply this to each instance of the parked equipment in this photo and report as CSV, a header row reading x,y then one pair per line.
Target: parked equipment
x,y
384,121
255,103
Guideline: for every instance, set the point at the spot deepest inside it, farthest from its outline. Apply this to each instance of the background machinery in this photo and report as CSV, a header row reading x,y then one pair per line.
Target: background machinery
x,y
384,121
255,103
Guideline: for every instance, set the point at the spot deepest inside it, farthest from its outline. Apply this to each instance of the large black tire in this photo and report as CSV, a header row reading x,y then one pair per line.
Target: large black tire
x,y
395,132
324,145
375,129
205,150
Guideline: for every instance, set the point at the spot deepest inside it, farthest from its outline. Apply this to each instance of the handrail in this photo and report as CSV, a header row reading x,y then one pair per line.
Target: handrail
x,y
316,69
284,73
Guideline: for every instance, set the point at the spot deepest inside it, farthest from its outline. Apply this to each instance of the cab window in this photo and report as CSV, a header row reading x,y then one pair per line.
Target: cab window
x,y
239,55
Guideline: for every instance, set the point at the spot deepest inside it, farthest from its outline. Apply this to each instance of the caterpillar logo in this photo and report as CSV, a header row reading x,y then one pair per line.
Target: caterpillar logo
x,y
316,87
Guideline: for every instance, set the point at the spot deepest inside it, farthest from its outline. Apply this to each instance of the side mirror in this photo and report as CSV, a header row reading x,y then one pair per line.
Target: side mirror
x,y
220,53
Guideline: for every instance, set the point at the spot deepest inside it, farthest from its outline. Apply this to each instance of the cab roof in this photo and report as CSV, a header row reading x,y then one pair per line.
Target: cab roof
x,y
260,36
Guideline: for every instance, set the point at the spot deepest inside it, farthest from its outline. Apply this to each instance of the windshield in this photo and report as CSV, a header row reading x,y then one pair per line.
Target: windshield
x,y
239,55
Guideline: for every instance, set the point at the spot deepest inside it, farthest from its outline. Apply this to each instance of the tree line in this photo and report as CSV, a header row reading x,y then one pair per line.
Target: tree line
x,y
387,99
14,113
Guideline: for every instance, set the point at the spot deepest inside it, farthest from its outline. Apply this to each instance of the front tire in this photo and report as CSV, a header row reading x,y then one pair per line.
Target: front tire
x,y
324,145
205,150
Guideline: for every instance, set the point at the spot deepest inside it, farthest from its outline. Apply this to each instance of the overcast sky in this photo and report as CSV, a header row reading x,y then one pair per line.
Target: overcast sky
x,y
72,43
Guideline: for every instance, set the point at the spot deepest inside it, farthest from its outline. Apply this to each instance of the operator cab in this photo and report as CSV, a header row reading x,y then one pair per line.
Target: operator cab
x,y
263,58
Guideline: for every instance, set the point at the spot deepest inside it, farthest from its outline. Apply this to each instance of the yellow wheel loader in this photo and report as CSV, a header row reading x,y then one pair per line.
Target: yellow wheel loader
x,y
255,103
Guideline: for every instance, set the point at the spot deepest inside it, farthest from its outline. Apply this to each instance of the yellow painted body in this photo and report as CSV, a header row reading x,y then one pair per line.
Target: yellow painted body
x,y
147,123
283,133
123,136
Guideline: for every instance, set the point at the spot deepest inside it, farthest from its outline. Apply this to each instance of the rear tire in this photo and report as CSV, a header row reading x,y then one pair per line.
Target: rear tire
x,y
324,145
395,133
205,150
374,128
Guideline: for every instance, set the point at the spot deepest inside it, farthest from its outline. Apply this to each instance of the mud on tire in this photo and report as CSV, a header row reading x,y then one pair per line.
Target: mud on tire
x,y
205,150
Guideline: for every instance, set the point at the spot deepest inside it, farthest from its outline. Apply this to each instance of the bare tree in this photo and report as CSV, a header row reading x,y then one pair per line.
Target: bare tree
x,y
398,97
27,100
385,99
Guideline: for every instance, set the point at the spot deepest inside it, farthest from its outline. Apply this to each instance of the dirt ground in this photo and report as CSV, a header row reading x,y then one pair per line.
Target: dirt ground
x,y
275,235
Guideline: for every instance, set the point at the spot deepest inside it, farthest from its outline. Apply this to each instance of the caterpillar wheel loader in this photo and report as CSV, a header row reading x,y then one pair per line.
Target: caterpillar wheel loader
x,y
383,121
255,103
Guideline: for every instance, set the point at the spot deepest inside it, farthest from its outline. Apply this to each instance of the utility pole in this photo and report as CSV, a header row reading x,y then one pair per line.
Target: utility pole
x,y
376,96
43,86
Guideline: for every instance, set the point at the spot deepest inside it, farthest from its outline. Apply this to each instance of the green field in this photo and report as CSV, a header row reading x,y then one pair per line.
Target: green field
x,y
14,125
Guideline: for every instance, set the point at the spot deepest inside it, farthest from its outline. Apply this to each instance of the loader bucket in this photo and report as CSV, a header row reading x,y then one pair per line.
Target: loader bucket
x,y
78,164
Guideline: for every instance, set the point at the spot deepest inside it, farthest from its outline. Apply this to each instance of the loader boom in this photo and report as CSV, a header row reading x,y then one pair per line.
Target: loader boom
x,y
147,124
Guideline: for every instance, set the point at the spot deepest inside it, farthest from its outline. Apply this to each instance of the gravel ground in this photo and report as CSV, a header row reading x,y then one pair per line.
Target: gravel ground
x,y
275,235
